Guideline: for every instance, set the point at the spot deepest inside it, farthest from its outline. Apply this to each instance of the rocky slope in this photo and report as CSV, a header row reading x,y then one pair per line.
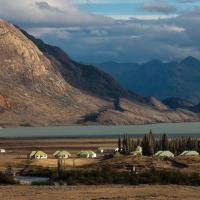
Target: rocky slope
x,y
156,103
40,86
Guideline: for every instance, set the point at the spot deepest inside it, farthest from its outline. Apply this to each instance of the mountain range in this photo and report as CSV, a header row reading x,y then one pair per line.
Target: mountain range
x,y
40,85
177,103
160,79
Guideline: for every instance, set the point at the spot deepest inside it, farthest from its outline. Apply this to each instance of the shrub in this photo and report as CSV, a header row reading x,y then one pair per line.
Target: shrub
x,y
108,176
6,179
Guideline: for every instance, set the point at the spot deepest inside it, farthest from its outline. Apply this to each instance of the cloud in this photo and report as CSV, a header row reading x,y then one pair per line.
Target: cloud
x,y
48,13
45,6
160,6
131,40
61,23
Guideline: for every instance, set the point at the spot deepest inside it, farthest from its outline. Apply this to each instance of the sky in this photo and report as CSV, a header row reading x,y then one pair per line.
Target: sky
x,y
94,31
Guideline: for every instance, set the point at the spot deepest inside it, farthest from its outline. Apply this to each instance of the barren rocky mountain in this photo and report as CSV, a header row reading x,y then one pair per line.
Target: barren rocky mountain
x,y
40,86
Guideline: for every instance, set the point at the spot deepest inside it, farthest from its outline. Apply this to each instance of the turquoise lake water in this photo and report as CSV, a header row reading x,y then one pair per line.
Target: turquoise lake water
x,y
192,128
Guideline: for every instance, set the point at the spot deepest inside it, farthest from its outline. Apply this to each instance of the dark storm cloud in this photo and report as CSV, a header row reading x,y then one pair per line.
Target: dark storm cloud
x,y
160,6
131,40
45,6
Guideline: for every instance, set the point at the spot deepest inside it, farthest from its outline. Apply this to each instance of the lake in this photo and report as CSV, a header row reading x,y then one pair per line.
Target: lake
x,y
30,179
192,128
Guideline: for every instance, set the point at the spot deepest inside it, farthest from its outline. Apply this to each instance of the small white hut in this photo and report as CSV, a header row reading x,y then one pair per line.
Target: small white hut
x,y
37,155
61,154
164,154
107,150
189,153
2,151
138,151
87,154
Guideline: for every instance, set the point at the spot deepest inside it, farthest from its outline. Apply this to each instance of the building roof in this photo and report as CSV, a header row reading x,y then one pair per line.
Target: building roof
x,y
108,148
189,153
86,152
157,153
37,153
138,148
32,153
164,154
61,153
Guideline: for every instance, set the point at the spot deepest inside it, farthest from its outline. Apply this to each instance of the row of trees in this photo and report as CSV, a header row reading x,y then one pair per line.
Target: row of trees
x,y
151,144
126,144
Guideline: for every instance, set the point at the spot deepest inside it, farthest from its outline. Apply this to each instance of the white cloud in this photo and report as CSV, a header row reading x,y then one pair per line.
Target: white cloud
x,y
61,23
49,13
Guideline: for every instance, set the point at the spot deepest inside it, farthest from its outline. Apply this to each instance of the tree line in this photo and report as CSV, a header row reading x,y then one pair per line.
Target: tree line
x,y
151,144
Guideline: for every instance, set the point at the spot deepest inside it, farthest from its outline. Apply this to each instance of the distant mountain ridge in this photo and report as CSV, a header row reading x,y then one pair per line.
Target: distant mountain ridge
x,y
160,79
41,86
177,103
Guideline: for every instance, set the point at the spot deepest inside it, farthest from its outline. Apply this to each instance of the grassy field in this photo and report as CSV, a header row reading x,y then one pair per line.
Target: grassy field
x,y
24,146
16,156
17,150
107,192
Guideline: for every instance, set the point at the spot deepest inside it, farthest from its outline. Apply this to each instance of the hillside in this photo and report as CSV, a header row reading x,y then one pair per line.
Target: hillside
x,y
160,79
41,86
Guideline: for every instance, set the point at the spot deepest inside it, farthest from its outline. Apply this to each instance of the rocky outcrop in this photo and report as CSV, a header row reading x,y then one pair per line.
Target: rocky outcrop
x,y
156,103
3,102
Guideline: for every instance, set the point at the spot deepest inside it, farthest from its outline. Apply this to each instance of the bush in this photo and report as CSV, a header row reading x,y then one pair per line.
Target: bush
x,y
108,176
6,179
39,171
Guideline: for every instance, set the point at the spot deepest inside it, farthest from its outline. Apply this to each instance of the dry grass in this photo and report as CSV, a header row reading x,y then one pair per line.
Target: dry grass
x,y
71,162
109,192
18,149
24,146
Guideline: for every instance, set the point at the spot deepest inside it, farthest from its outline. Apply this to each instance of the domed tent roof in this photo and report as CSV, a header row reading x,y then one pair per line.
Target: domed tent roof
x,y
86,153
61,153
164,154
189,153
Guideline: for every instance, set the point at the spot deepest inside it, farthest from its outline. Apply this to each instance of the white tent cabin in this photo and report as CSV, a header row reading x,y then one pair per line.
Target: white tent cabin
x,y
138,151
164,154
189,153
61,154
108,150
2,151
87,154
37,155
